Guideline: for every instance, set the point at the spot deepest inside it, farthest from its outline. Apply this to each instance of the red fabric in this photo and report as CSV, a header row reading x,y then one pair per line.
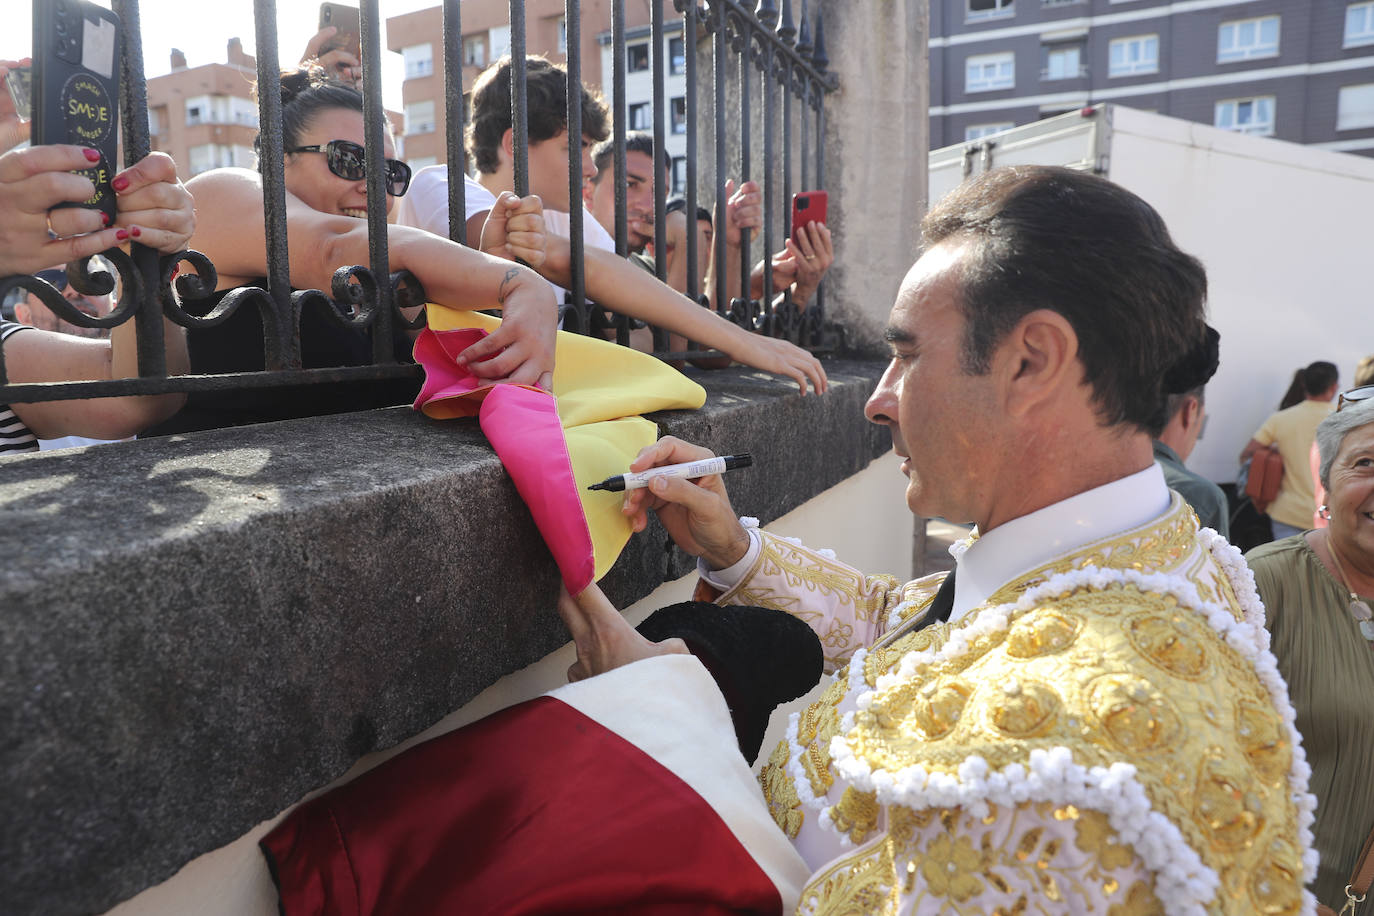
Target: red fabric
x,y
536,809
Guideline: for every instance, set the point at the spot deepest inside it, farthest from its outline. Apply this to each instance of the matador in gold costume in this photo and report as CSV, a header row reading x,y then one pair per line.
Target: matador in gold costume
x,y
1086,717
1083,718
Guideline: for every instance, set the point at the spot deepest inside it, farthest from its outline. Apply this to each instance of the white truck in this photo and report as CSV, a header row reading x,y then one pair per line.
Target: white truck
x,y
1286,233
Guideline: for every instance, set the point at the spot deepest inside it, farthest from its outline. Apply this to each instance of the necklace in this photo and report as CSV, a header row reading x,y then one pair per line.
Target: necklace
x,y
1358,608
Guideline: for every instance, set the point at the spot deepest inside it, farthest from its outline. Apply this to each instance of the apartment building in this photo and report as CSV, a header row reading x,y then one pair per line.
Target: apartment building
x,y
639,86
205,117
418,37
1299,70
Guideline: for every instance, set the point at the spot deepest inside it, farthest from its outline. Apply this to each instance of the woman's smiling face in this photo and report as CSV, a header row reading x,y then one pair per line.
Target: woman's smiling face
x,y
308,176
1351,498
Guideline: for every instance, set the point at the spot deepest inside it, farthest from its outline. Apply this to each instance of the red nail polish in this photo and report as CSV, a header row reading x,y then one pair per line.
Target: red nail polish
x,y
122,234
120,183
92,155
135,231
104,219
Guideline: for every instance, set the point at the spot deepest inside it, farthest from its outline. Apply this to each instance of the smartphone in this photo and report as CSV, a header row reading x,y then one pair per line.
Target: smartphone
x,y
344,18
807,207
75,87
19,82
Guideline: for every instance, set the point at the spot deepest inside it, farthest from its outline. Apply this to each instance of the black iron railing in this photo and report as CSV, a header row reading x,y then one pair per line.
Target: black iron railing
x,y
770,53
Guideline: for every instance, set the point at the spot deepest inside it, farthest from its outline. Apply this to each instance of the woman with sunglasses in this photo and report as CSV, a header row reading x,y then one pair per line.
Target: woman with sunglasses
x,y
1318,589
326,210
36,233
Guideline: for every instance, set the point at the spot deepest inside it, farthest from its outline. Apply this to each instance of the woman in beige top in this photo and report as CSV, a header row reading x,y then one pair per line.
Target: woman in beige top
x,y
1318,588
1291,431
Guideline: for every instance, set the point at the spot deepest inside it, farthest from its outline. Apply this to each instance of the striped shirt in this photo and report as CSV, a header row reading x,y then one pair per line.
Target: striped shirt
x,y
14,435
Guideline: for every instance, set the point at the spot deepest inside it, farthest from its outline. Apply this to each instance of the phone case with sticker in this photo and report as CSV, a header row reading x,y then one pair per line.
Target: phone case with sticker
x,y
75,98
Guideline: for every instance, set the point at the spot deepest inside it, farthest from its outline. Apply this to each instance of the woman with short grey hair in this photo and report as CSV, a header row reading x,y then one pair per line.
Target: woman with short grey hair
x,y
1318,588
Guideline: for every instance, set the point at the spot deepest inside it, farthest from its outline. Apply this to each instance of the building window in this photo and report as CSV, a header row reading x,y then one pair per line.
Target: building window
x,y
979,131
1063,62
641,116
1131,56
679,174
677,56
419,60
155,116
216,109
421,162
420,117
1246,39
677,115
562,34
498,41
209,156
1355,107
989,9
244,111
1247,116
637,57
475,50
985,72
1359,24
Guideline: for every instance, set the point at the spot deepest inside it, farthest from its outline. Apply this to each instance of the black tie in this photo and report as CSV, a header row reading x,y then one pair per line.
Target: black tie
x,y
942,605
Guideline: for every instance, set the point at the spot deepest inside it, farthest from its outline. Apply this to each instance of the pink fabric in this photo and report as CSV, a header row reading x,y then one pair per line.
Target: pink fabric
x,y
445,379
522,425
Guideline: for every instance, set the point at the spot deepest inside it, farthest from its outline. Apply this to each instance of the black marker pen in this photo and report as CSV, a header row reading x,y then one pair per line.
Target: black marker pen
x,y
638,479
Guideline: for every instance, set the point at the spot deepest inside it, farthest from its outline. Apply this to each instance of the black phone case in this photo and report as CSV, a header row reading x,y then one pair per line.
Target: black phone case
x,y
76,51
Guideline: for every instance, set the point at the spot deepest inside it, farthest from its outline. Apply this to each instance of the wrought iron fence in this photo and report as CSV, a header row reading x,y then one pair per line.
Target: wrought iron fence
x,y
781,58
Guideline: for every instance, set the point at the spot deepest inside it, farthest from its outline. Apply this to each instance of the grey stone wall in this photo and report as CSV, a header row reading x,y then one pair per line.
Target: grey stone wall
x,y
876,137
199,630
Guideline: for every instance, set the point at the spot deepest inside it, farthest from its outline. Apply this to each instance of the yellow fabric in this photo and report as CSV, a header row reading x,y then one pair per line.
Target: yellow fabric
x,y
601,388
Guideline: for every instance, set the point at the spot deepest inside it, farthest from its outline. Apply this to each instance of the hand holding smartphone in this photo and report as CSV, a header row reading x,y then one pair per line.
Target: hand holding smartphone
x,y
75,90
807,207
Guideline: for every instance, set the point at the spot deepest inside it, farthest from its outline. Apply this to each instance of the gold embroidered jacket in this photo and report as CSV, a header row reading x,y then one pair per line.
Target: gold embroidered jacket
x,y
1106,734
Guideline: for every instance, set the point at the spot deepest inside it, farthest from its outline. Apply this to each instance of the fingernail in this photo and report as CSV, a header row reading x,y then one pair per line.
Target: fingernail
x,y
122,234
104,218
120,183
135,231
92,155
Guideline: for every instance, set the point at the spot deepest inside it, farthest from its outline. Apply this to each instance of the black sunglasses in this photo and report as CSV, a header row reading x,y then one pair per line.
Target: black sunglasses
x,y
1353,395
345,159
54,275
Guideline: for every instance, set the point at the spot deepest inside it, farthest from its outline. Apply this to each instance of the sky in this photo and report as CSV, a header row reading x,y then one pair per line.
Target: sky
x,y
204,36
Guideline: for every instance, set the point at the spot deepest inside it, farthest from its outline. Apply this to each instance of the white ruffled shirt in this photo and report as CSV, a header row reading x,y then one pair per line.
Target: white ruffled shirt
x,y
1021,544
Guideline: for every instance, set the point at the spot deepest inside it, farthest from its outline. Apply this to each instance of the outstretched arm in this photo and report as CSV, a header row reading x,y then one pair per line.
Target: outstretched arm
x,y
621,287
521,350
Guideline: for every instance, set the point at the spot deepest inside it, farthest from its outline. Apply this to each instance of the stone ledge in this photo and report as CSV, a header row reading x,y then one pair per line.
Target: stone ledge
x,y
199,630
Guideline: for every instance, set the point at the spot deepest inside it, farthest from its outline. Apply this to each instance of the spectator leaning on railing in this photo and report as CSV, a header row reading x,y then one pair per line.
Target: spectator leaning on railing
x,y
152,207
610,280
326,207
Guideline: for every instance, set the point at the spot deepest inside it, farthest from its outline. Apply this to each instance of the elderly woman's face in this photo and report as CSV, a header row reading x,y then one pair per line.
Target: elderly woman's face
x,y
1351,495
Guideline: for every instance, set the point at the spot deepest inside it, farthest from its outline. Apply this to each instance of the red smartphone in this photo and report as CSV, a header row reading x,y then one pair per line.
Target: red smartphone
x,y
807,207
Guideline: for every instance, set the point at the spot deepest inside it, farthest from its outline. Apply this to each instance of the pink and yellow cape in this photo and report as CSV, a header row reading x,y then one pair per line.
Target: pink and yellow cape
x,y
556,444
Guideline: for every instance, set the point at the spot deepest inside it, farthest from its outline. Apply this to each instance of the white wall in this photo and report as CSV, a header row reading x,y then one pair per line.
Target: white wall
x,y
864,519
1284,231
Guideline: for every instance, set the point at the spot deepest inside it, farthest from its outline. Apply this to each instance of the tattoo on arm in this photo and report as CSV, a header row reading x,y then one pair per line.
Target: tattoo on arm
x,y
501,291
